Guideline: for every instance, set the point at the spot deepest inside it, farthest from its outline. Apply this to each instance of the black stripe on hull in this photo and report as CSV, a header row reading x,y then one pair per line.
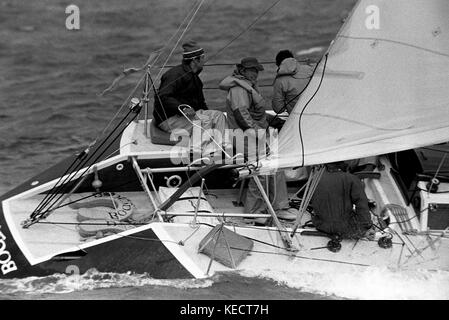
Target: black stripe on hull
x,y
141,252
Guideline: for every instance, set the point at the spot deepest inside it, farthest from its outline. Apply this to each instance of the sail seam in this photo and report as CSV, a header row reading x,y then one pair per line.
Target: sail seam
x,y
397,42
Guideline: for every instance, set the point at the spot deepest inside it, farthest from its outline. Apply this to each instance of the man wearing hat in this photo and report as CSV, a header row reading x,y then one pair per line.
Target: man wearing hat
x,y
245,109
245,106
181,86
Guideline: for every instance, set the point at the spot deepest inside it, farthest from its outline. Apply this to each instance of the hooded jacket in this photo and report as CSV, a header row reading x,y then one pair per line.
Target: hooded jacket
x,y
179,85
291,78
245,107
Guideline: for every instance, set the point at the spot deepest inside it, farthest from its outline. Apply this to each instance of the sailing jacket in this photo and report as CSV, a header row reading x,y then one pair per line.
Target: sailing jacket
x,y
291,78
333,201
179,85
245,107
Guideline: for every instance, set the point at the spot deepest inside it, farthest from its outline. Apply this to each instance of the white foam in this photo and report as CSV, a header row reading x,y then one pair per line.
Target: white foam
x,y
92,279
373,283
310,51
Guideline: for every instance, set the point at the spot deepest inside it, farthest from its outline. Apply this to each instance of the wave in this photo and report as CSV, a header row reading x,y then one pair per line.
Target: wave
x,y
91,280
372,283
310,51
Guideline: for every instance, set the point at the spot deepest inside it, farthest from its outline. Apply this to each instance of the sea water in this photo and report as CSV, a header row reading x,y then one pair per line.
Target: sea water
x,y
372,283
51,78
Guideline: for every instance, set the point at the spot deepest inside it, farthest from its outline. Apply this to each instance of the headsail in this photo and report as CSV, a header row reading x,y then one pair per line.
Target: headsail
x,y
383,87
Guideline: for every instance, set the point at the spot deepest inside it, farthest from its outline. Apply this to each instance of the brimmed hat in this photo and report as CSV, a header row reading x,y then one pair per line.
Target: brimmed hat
x,y
191,50
250,62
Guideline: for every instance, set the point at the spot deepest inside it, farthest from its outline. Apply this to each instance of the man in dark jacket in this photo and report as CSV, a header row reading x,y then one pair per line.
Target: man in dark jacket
x,y
181,86
333,202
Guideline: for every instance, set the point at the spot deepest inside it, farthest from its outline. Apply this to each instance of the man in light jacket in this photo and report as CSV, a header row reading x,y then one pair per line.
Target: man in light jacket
x,y
291,79
246,111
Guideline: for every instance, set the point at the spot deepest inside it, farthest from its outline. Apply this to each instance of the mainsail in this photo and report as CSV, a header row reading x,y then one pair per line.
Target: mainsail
x,y
382,87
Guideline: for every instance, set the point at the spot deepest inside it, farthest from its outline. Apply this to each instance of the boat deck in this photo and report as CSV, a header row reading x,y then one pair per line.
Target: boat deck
x,y
59,231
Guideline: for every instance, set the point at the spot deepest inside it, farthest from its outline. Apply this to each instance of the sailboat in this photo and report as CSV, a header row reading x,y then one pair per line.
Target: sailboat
x,y
137,201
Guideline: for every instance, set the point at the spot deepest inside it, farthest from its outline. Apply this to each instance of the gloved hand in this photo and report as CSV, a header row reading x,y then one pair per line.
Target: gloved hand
x,y
190,113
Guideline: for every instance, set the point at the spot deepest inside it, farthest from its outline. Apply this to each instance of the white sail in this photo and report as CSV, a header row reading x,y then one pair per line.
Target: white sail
x,y
384,87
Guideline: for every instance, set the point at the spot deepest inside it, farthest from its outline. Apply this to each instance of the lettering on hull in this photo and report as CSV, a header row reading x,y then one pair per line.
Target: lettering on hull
x,y
6,263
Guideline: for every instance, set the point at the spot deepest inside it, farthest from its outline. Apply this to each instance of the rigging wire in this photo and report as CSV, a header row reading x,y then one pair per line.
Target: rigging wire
x,y
180,37
436,174
95,161
235,38
141,79
48,194
192,13
143,76
246,29
182,242
49,207
70,176
94,194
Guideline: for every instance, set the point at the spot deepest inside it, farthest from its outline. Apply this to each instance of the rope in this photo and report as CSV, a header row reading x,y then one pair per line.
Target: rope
x,y
226,64
283,248
302,257
93,194
436,192
436,174
288,102
305,106
201,128
110,222
113,203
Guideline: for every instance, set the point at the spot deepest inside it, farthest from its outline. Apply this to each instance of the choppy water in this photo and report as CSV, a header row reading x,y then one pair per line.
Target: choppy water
x,y
50,79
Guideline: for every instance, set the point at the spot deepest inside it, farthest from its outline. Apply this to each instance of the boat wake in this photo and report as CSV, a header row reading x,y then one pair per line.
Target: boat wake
x,y
91,280
374,283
